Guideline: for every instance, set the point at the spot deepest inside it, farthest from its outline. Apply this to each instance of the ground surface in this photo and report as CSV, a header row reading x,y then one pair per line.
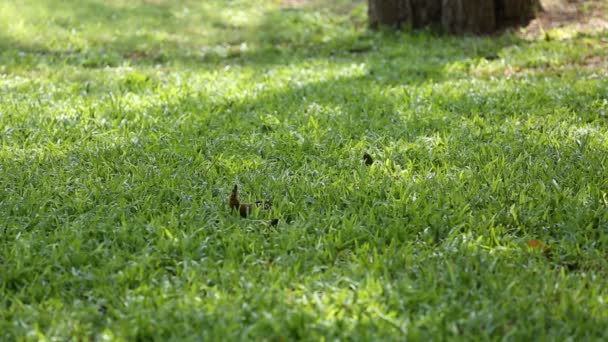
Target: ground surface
x,y
125,124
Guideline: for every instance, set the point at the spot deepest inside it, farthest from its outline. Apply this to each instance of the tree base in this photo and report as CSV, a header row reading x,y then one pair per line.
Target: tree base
x,y
453,16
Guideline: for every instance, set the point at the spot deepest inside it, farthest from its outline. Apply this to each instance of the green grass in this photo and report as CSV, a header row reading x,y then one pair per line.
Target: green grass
x,y
125,124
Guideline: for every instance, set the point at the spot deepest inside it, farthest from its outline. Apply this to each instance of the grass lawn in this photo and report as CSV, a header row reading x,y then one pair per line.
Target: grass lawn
x,y
124,126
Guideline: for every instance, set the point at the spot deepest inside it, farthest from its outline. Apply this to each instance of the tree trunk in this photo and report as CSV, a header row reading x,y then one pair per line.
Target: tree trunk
x,y
389,12
453,16
476,16
516,12
425,12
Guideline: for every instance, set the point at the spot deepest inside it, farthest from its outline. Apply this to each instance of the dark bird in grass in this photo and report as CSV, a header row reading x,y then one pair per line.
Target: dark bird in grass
x,y
245,209
368,159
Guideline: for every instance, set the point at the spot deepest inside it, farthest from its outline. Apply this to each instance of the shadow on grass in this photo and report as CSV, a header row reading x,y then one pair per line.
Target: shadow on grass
x,y
356,107
282,36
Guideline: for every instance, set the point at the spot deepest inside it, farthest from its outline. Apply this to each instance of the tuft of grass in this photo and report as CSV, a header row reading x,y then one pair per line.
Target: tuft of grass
x,y
125,125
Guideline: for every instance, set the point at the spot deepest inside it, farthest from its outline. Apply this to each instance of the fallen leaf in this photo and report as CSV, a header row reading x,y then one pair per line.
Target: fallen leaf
x,y
234,198
245,209
536,244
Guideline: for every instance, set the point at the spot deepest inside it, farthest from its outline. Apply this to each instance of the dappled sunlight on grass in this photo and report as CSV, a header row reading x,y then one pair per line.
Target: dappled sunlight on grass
x,y
125,125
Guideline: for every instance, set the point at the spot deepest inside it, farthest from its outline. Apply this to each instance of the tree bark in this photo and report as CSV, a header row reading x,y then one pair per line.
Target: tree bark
x,y
516,12
425,12
476,16
389,12
453,16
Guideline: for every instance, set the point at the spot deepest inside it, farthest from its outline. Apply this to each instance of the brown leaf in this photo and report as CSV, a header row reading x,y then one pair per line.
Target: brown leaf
x,y
537,244
245,208
234,198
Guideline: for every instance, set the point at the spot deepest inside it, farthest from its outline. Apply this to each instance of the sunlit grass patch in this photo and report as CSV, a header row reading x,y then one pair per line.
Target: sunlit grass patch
x,y
125,126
